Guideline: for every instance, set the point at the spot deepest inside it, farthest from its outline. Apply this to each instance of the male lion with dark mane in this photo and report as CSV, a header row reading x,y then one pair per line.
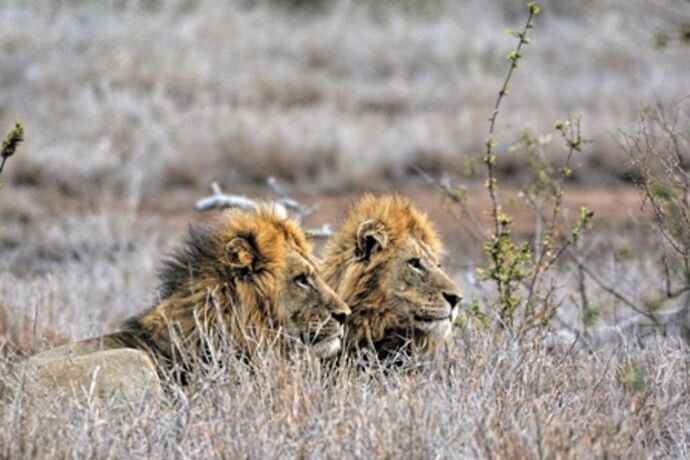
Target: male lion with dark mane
x,y
383,261
248,279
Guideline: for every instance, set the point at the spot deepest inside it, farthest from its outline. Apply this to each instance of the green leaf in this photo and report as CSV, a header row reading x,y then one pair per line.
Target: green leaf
x,y
12,140
631,376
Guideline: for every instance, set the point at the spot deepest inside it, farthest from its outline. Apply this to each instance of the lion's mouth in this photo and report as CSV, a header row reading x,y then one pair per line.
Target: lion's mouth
x,y
326,340
433,325
431,319
328,346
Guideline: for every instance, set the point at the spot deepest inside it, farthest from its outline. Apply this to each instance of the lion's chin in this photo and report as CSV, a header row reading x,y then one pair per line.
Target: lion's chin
x,y
435,328
327,348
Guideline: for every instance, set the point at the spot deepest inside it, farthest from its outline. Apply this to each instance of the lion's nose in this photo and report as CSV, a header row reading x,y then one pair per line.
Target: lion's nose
x,y
452,299
340,317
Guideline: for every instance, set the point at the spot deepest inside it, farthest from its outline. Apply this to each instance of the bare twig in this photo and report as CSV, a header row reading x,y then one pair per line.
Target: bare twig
x,y
604,285
582,285
325,231
298,211
284,206
456,198
489,158
547,253
219,200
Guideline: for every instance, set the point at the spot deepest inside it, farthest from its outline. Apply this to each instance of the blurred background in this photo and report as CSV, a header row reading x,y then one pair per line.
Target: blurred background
x,y
132,109
146,96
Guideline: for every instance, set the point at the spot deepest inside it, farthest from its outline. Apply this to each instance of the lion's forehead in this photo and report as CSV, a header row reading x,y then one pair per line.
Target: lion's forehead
x,y
298,260
422,249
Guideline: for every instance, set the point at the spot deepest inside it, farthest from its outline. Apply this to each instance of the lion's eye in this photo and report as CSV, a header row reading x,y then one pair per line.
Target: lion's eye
x,y
416,264
303,280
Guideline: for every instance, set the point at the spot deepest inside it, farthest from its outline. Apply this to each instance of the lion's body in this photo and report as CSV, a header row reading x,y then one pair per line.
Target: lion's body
x,y
203,297
233,285
367,262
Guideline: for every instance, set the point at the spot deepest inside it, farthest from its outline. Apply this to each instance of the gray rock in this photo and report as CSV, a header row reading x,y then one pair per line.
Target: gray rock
x,y
115,376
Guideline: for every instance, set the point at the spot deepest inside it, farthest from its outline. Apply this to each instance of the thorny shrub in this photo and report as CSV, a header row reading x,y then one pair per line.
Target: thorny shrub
x,y
519,269
660,155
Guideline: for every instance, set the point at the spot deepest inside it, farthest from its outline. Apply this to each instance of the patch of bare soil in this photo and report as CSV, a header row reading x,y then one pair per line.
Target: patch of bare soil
x,y
617,209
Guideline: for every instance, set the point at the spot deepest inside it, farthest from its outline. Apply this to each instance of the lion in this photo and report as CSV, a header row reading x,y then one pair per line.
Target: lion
x,y
383,261
250,278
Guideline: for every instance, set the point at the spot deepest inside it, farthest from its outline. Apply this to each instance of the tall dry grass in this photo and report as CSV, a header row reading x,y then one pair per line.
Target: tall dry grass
x,y
488,399
80,273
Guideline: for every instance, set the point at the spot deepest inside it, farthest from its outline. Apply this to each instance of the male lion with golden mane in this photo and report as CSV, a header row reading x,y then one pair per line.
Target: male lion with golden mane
x,y
383,261
248,279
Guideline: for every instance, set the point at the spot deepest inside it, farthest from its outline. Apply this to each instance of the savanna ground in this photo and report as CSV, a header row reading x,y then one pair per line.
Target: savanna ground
x,y
133,108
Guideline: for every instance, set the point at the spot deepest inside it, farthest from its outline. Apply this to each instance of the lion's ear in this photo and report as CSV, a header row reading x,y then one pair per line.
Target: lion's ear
x,y
371,238
239,253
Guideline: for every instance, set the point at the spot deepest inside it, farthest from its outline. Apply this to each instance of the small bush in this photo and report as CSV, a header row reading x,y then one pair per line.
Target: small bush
x,y
519,269
660,155
10,143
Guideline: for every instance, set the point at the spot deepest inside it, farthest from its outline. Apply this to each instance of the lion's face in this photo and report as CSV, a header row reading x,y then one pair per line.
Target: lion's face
x,y
275,258
383,261
312,311
420,293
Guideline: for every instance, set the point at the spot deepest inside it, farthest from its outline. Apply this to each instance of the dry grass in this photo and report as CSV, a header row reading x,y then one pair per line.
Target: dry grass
x,y
123,99
86,270
154,95
490,398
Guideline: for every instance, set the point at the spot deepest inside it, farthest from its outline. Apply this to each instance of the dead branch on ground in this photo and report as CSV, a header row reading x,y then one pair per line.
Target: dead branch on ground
x,y
283,205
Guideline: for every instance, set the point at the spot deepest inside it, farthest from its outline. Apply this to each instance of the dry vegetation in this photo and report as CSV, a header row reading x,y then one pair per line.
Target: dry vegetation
x,y
125,103
152,95
489,399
